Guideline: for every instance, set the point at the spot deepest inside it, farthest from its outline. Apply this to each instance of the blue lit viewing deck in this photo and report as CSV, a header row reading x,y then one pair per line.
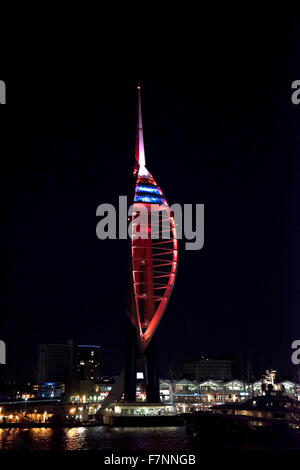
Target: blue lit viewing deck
x,y
147,189
150,199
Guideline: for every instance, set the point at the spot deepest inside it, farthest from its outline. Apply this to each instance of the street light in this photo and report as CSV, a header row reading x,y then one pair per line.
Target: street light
x,y
25,399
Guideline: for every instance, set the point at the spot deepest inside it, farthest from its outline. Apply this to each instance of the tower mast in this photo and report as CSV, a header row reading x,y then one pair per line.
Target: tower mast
x,y
139,145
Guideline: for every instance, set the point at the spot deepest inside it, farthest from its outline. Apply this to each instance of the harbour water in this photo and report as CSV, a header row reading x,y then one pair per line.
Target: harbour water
x,y
172,439
96,438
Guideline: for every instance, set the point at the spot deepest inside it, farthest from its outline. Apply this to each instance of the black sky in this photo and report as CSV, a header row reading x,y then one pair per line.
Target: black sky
x,y
220,129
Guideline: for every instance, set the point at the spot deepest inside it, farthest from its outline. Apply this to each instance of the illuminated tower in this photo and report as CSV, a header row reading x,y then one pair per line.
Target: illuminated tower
x,y
152,270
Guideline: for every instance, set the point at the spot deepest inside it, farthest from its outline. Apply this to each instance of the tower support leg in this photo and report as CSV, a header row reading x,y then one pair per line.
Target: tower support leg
x,y
151,373
130,364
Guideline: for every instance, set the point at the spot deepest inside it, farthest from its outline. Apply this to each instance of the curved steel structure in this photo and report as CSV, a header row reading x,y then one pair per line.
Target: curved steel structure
x,y
154,256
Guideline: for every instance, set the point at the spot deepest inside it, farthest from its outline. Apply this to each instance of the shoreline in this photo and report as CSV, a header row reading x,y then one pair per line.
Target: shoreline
x,y
48,425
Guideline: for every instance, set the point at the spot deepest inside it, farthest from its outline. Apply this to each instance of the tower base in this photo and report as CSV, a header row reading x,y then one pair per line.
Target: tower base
x,y
146,361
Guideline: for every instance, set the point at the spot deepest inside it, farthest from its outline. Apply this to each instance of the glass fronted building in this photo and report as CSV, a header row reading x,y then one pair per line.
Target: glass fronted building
x,y
187,395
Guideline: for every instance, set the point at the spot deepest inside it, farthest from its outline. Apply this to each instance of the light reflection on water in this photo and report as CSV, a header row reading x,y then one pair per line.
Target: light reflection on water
x,y
95,438
113,439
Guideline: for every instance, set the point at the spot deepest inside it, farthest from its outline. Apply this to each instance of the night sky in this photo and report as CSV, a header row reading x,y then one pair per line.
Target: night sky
x,y
219,128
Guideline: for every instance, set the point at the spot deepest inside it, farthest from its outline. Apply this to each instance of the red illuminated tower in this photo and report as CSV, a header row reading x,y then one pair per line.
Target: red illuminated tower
x,y
153,264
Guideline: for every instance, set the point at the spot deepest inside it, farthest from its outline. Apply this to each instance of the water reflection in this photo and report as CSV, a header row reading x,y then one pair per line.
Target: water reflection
x,y
34,438
75,438
97,438
112,439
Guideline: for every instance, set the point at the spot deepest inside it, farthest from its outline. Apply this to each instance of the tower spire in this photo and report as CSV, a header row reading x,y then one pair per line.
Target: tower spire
x,y
139,145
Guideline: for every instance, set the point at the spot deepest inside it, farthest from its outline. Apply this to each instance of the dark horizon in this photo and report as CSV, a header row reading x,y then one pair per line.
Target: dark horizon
x,y
220,129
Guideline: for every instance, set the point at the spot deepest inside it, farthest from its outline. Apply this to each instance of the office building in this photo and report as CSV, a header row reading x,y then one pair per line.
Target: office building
x,y
55,363
88,362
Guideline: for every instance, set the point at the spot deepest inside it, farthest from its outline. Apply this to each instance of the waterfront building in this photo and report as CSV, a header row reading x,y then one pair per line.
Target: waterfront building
x,y
55,362
188,394
49,390
176,396
191,392
88,362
